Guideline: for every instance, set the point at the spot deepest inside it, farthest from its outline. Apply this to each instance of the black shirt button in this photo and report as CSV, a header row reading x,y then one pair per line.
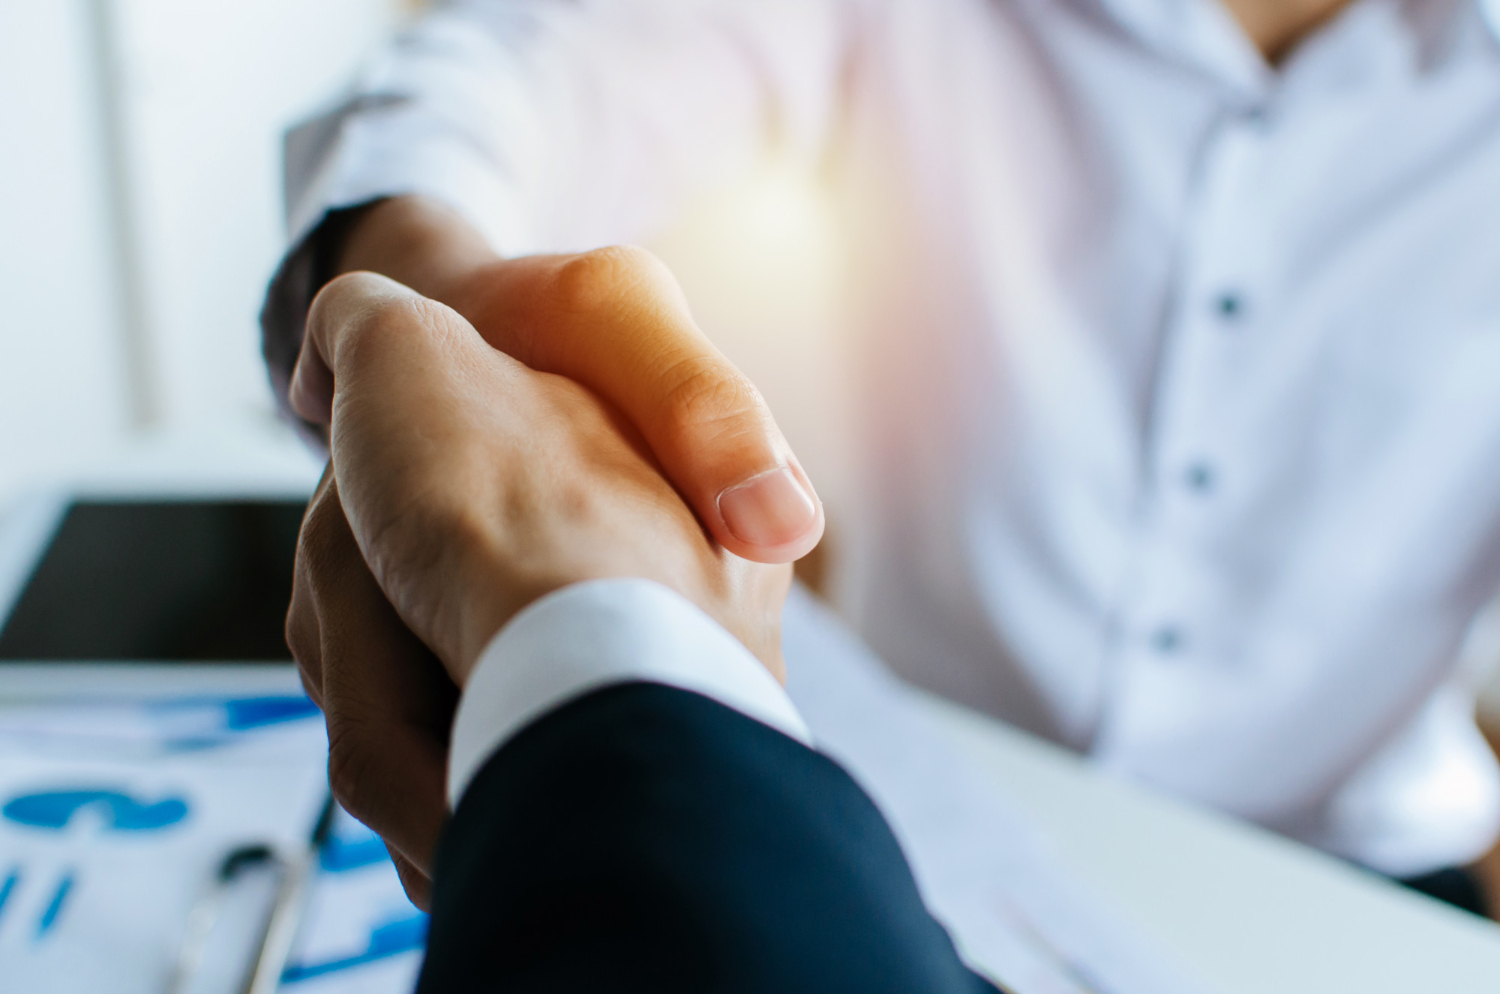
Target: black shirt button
x,y
1167,640
1229,305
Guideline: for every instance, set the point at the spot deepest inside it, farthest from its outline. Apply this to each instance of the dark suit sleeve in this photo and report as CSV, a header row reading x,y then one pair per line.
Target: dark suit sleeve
x,y
644,838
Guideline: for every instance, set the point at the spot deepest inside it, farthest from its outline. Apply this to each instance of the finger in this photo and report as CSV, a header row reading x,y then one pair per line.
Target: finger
x,y
392,352
303,639
302,636
418,885
311,390
616,321
342,309
387,700
414,403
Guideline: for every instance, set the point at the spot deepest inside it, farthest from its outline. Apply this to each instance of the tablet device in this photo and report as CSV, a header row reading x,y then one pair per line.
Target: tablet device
x,y
172,580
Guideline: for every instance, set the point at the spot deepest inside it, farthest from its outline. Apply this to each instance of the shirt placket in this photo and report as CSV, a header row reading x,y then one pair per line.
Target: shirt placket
x,y
1170,637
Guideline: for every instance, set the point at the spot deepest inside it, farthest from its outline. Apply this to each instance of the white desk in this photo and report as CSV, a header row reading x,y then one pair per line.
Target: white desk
x,y
1246,911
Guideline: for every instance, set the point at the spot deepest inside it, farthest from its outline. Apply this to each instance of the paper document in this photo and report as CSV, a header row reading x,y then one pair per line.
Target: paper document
x,y
116,813
359,933
115,816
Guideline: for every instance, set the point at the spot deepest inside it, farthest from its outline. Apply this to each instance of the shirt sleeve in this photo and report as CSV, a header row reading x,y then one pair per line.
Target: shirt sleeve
x,y
560,126
594,634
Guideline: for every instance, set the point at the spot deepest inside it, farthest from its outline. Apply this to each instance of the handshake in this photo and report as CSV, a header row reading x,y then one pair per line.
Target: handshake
x,y
637,803
567,423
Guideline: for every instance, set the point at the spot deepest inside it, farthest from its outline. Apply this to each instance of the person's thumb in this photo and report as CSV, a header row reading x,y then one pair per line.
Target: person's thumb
x,y
615,321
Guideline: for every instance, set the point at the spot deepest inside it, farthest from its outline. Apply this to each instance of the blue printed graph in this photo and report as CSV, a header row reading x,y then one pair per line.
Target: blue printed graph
x,y
192,723
340,855
244,713
358,883
55,810
401,934
121,812
351,846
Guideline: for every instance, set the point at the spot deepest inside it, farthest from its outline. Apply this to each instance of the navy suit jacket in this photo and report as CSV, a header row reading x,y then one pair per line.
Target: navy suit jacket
x,y
644,838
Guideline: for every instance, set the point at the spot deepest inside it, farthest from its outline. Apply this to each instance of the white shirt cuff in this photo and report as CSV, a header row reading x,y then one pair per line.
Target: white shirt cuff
x,y
394,154
590,635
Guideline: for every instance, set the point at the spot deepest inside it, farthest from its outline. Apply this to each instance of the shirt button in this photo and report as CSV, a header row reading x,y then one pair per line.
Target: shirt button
x,y
1229,305
1167,640
1256,115
1200,477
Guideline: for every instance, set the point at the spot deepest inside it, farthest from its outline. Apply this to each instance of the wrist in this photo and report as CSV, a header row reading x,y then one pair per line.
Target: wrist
x,y
484,617
420,243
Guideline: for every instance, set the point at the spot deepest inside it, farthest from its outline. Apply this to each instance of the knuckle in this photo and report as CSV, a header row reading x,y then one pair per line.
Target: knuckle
x,y
593,281
704,393
416,884
310,686
301,638
316,533
382,321
349,770
325,547
340,293
302,630
385,323
348,287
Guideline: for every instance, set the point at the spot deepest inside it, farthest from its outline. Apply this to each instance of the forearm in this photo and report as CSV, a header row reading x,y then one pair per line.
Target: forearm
x,y
645,837
417,242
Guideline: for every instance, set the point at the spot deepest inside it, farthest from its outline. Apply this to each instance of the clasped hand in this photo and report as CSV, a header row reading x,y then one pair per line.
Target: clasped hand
x,y
462,486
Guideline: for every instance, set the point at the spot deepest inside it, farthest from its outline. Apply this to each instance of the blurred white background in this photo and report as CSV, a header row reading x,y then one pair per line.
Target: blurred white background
x,y
140,216
140,219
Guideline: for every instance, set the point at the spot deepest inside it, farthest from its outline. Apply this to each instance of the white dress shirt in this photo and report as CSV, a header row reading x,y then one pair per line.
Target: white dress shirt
x,y
1181,375
592,635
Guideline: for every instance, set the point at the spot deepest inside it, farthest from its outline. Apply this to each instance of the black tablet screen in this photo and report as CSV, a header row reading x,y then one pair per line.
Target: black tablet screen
x,y
181,581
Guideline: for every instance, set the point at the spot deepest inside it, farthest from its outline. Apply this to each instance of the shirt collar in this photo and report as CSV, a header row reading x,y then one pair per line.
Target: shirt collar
x,y
1203,34
1199,33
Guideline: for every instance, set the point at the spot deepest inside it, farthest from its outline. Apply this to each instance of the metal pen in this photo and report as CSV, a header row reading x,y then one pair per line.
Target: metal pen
x,y
285,915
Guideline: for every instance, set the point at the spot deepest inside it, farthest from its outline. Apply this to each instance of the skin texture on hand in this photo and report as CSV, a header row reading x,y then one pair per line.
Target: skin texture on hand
x,y
615,321
474,485
386,698
463,486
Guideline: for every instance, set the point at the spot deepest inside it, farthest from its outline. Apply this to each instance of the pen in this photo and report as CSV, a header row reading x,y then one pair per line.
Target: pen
x,y
205,913
286,911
